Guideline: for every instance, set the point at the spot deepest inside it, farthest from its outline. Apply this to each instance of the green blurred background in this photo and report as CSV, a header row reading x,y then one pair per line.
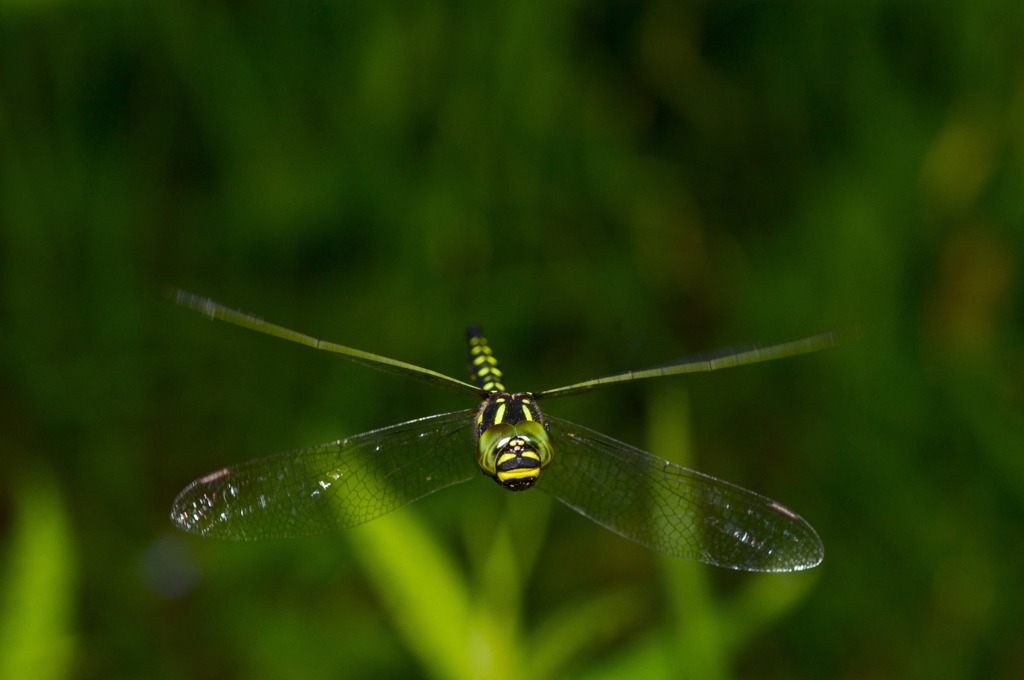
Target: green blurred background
x,y
603,186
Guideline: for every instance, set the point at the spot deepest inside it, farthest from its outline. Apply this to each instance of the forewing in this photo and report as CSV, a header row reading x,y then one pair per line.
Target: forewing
x,y
331,487
674,510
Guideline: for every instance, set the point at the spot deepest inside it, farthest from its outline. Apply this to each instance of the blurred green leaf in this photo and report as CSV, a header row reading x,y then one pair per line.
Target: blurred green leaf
x,y
37,637
424,591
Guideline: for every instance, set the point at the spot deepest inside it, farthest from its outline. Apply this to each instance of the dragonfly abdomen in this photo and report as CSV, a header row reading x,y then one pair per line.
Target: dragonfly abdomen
x,y
483,366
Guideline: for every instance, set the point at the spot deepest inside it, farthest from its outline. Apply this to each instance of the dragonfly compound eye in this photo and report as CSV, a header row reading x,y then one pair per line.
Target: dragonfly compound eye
x,y
514,455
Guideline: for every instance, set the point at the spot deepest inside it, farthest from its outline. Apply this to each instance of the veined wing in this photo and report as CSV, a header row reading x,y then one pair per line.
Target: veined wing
x,y
674,510
335,486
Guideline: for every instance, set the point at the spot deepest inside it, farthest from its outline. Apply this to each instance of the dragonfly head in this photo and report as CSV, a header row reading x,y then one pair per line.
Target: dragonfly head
x,y
514,455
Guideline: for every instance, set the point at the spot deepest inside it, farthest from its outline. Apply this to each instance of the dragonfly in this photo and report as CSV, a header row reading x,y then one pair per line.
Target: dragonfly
x,y
658,504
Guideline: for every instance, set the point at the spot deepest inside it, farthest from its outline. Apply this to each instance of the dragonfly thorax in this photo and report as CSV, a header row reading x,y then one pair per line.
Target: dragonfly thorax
x,y
512,443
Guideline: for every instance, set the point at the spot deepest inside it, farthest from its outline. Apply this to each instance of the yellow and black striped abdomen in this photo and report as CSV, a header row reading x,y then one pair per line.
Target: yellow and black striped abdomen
x,y
483,367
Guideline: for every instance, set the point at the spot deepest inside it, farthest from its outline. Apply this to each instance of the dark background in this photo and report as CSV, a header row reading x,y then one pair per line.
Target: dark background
x,y
602,186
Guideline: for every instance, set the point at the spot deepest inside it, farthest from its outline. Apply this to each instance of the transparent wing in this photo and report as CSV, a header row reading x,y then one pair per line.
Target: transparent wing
x,y
330,487
674,510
